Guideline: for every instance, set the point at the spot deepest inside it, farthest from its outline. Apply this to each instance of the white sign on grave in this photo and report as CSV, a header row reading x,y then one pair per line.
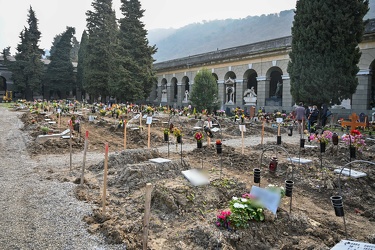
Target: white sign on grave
x,y
195,177
149,120
242,128
159,160
352,173
279,120
136,116
59,111
267,198
144,117
353,245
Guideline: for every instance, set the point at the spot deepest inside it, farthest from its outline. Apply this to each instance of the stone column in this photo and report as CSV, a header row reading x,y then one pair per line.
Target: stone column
x,y
221,93
360,99
180,93
239,93
262,88
287,100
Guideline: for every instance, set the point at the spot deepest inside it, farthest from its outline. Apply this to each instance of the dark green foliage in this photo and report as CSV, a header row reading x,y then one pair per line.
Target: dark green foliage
x,y
81,62
27,70
134,75
59,78
325,53
100,50
204,94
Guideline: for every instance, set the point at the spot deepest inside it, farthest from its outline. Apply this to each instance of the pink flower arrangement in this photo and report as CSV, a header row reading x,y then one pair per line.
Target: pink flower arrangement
x,y
355,139
325,137
223,219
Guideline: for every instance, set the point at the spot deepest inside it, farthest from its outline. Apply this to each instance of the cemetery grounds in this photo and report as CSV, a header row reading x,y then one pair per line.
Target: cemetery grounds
x,y
184,216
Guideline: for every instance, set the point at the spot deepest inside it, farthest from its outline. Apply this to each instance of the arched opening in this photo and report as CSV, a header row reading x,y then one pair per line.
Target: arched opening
x,y
3,85
164,86
174,88
275,82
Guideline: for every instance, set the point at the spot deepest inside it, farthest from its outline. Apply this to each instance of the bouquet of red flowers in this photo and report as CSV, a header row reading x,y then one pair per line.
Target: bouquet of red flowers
x,y
198,136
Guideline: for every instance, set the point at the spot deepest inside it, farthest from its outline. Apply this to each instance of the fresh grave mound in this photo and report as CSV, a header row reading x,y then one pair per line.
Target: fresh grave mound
x,y
55,146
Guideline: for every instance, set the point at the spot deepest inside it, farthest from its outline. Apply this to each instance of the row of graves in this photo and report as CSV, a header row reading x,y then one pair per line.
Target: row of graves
x,y
194,184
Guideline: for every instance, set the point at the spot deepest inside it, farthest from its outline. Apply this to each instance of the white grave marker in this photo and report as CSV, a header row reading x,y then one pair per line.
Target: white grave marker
x,y
267,198
353,245
242,128
353,173
149,120
195,177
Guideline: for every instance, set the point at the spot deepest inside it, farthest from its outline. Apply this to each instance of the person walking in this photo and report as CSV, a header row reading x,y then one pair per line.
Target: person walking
x,y
300,117
313,117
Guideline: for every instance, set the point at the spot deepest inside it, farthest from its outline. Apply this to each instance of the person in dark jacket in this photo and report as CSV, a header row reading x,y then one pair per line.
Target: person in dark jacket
x,y
313,117
324,114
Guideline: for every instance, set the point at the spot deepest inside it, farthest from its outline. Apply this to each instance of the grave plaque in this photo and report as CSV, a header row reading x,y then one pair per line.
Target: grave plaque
x,y
195,177
242,128
149,120
269,199
300,160
352,173
353,245
159,160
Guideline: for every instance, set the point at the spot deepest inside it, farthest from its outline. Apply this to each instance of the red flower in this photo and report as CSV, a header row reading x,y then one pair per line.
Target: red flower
x,y
355,132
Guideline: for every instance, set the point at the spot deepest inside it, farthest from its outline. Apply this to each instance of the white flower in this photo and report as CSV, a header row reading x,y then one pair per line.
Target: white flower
x,y
238,205
234,198
271,185
243,199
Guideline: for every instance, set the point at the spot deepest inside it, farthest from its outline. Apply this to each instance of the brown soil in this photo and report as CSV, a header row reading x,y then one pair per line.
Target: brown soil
x,y
183,216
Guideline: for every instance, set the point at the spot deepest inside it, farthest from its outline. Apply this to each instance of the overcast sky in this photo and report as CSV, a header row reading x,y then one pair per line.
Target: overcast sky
x,y
55,15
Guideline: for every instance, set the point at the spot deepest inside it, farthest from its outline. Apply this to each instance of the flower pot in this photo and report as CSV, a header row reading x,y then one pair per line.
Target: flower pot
x,y
289,188
290,131
322,147
335,139
256,175
199,144
278,140
337,205
179,139
219,149
76,127
352,151
273,165
302,143
166,137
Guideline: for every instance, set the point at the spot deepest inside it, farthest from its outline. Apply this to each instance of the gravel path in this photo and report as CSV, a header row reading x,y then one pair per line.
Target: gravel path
x,y
37,213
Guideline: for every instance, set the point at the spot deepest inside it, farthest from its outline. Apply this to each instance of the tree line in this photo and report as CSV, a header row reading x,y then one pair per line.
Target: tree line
x,y
114,57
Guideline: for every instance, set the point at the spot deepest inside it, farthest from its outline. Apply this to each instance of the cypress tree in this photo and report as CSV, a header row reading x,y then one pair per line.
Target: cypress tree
x,y
27,70
99,62
325,53
81,64
135,76
59,78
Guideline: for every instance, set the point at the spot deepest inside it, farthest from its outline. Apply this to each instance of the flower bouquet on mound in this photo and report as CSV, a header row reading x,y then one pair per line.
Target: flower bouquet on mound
x,y
199,137
354,139
324,137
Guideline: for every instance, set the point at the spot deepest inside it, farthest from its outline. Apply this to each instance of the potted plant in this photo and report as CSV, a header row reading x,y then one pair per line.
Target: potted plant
x,y
44,130
322,138
199,137
166,134
178,134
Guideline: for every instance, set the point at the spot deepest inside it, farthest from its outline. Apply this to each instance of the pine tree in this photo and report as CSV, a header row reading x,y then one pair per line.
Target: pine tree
x,y
100,51
27,70
325,53
204,94
134,77
59,78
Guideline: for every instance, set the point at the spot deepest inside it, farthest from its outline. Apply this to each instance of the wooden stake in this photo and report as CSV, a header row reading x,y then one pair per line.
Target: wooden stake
x,y
105,177
278,131
84,156
124,134
208,138
243,150
70,145
261,142
149,136
140,120
146,220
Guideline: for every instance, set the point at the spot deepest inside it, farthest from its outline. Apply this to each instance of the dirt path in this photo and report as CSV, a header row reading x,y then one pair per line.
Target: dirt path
x,y
36,213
